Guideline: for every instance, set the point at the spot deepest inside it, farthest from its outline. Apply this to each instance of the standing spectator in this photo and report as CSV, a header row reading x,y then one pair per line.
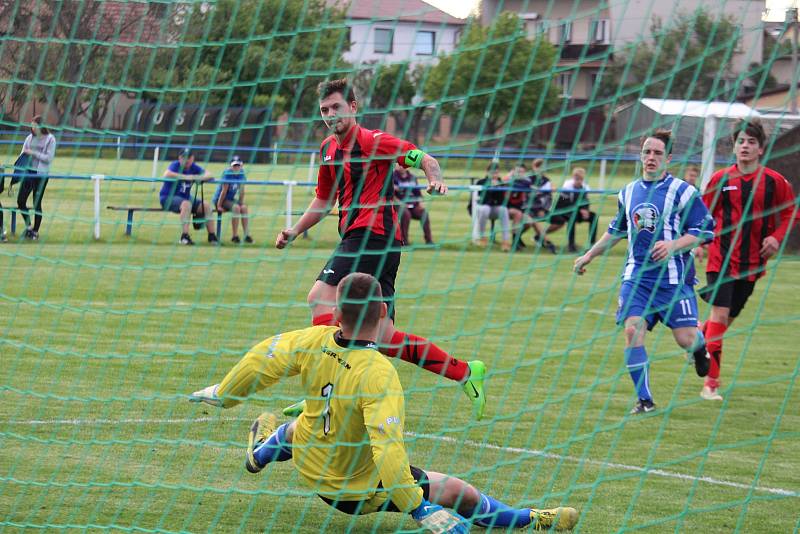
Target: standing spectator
x,y
492,205
752,207
573,207
410,203
176,194
40,147
229,196
691,175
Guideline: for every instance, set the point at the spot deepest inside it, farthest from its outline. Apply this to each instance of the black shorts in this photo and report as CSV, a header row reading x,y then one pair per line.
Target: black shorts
x,y
354,507
363,252
564,217
732,294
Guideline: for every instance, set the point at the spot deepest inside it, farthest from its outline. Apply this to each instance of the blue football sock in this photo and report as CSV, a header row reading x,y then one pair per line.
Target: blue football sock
x,y
492,513
275,448
699,341
636,360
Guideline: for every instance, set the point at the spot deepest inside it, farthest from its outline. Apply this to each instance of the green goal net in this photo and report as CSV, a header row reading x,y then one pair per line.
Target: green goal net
x,y
108,322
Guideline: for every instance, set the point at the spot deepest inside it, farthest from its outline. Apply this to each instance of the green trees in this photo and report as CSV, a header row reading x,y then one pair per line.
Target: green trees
x,y
497,77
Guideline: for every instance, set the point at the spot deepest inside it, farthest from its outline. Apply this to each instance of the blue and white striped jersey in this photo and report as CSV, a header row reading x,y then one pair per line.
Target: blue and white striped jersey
x,y
660,211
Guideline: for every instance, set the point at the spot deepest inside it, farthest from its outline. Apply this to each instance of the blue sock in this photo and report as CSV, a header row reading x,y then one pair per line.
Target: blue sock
x,y
275,448
636,360
492,513
699,341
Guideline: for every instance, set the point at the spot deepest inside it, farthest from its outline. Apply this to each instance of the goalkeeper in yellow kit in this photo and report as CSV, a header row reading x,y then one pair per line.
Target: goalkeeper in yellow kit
x,y
348,442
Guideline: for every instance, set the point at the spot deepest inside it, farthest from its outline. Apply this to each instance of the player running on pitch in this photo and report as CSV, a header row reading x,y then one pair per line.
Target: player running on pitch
x,y
753,207
348,443
663,218
356,172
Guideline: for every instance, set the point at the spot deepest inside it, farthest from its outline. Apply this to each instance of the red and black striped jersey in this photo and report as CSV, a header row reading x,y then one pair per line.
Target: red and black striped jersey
x,y
359,172
746,208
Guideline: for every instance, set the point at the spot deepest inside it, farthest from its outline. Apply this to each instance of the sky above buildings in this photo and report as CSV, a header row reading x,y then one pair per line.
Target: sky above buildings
x,y
457,8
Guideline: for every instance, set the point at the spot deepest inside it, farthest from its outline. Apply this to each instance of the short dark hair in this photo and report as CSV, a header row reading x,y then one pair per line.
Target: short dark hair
x,y
359,300
39,121
341,86
751,127
665,136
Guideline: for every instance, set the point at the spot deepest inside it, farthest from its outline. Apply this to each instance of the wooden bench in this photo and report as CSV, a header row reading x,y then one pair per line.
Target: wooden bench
x,y
132,209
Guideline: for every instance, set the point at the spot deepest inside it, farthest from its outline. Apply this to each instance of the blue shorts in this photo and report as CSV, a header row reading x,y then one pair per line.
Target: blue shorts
x,y
175,205
675,306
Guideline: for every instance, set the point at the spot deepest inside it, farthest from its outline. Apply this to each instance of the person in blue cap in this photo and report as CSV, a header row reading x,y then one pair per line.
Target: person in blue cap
x,y
229,197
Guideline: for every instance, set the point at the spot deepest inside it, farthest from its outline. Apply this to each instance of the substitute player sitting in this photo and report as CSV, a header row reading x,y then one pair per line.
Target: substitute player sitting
x,y
663,218
356,172
229,196
176,194
753,208
348,442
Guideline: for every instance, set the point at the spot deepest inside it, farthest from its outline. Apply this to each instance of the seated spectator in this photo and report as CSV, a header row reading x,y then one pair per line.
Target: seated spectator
x,y
410,204
518,200
530,205
176,194
541,203
229,196
492,206
572,207
692,173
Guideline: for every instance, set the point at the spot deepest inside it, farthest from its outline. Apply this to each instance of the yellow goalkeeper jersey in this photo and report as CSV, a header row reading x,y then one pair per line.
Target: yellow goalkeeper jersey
x,y
348,441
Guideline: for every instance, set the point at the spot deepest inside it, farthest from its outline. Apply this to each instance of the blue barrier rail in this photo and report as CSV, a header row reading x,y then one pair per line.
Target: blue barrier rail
x,y
96,179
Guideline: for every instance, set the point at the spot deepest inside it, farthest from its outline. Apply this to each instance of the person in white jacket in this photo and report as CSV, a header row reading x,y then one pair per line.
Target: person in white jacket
x,y
40,146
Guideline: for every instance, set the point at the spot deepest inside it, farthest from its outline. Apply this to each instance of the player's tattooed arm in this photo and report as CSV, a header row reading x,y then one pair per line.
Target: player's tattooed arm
x,y
433,173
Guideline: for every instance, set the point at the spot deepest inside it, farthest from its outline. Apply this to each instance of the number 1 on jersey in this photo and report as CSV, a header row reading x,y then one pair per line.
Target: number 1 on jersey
x,y
327,393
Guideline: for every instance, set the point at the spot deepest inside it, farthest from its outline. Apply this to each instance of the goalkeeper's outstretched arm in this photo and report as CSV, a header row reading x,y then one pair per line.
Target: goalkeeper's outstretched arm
x,y
262,366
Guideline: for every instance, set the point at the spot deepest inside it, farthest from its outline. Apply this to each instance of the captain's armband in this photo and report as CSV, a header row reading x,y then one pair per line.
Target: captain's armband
x,y
414,158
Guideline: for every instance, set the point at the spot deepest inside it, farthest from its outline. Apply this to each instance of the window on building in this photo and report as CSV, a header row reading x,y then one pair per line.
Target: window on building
x,y
542,27
384,40
566,31
425,43
594,83
348,39
600,33
564,82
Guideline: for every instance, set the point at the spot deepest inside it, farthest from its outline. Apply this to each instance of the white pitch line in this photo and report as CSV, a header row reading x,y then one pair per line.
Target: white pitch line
x,y
469,442
612,465
90,422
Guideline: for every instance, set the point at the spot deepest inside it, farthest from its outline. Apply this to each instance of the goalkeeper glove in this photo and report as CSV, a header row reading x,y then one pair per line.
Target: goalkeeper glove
x,y
207,395
436,519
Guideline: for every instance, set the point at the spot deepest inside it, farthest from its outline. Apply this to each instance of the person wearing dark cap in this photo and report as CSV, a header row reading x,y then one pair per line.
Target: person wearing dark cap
x,y
176,194
229,196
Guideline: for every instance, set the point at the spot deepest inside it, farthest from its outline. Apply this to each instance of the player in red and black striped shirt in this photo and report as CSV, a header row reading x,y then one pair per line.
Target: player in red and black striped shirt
x,y
753,208
356,173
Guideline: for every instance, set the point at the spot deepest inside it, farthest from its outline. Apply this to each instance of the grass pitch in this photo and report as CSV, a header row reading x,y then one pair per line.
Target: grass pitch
x,y
102,340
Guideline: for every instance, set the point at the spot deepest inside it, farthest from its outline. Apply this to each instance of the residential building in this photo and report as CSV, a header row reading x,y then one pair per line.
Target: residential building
x,y
392,31
632,21
582,32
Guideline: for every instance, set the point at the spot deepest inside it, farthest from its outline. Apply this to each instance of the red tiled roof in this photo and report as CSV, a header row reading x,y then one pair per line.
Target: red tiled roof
x,y
400,10
126,18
